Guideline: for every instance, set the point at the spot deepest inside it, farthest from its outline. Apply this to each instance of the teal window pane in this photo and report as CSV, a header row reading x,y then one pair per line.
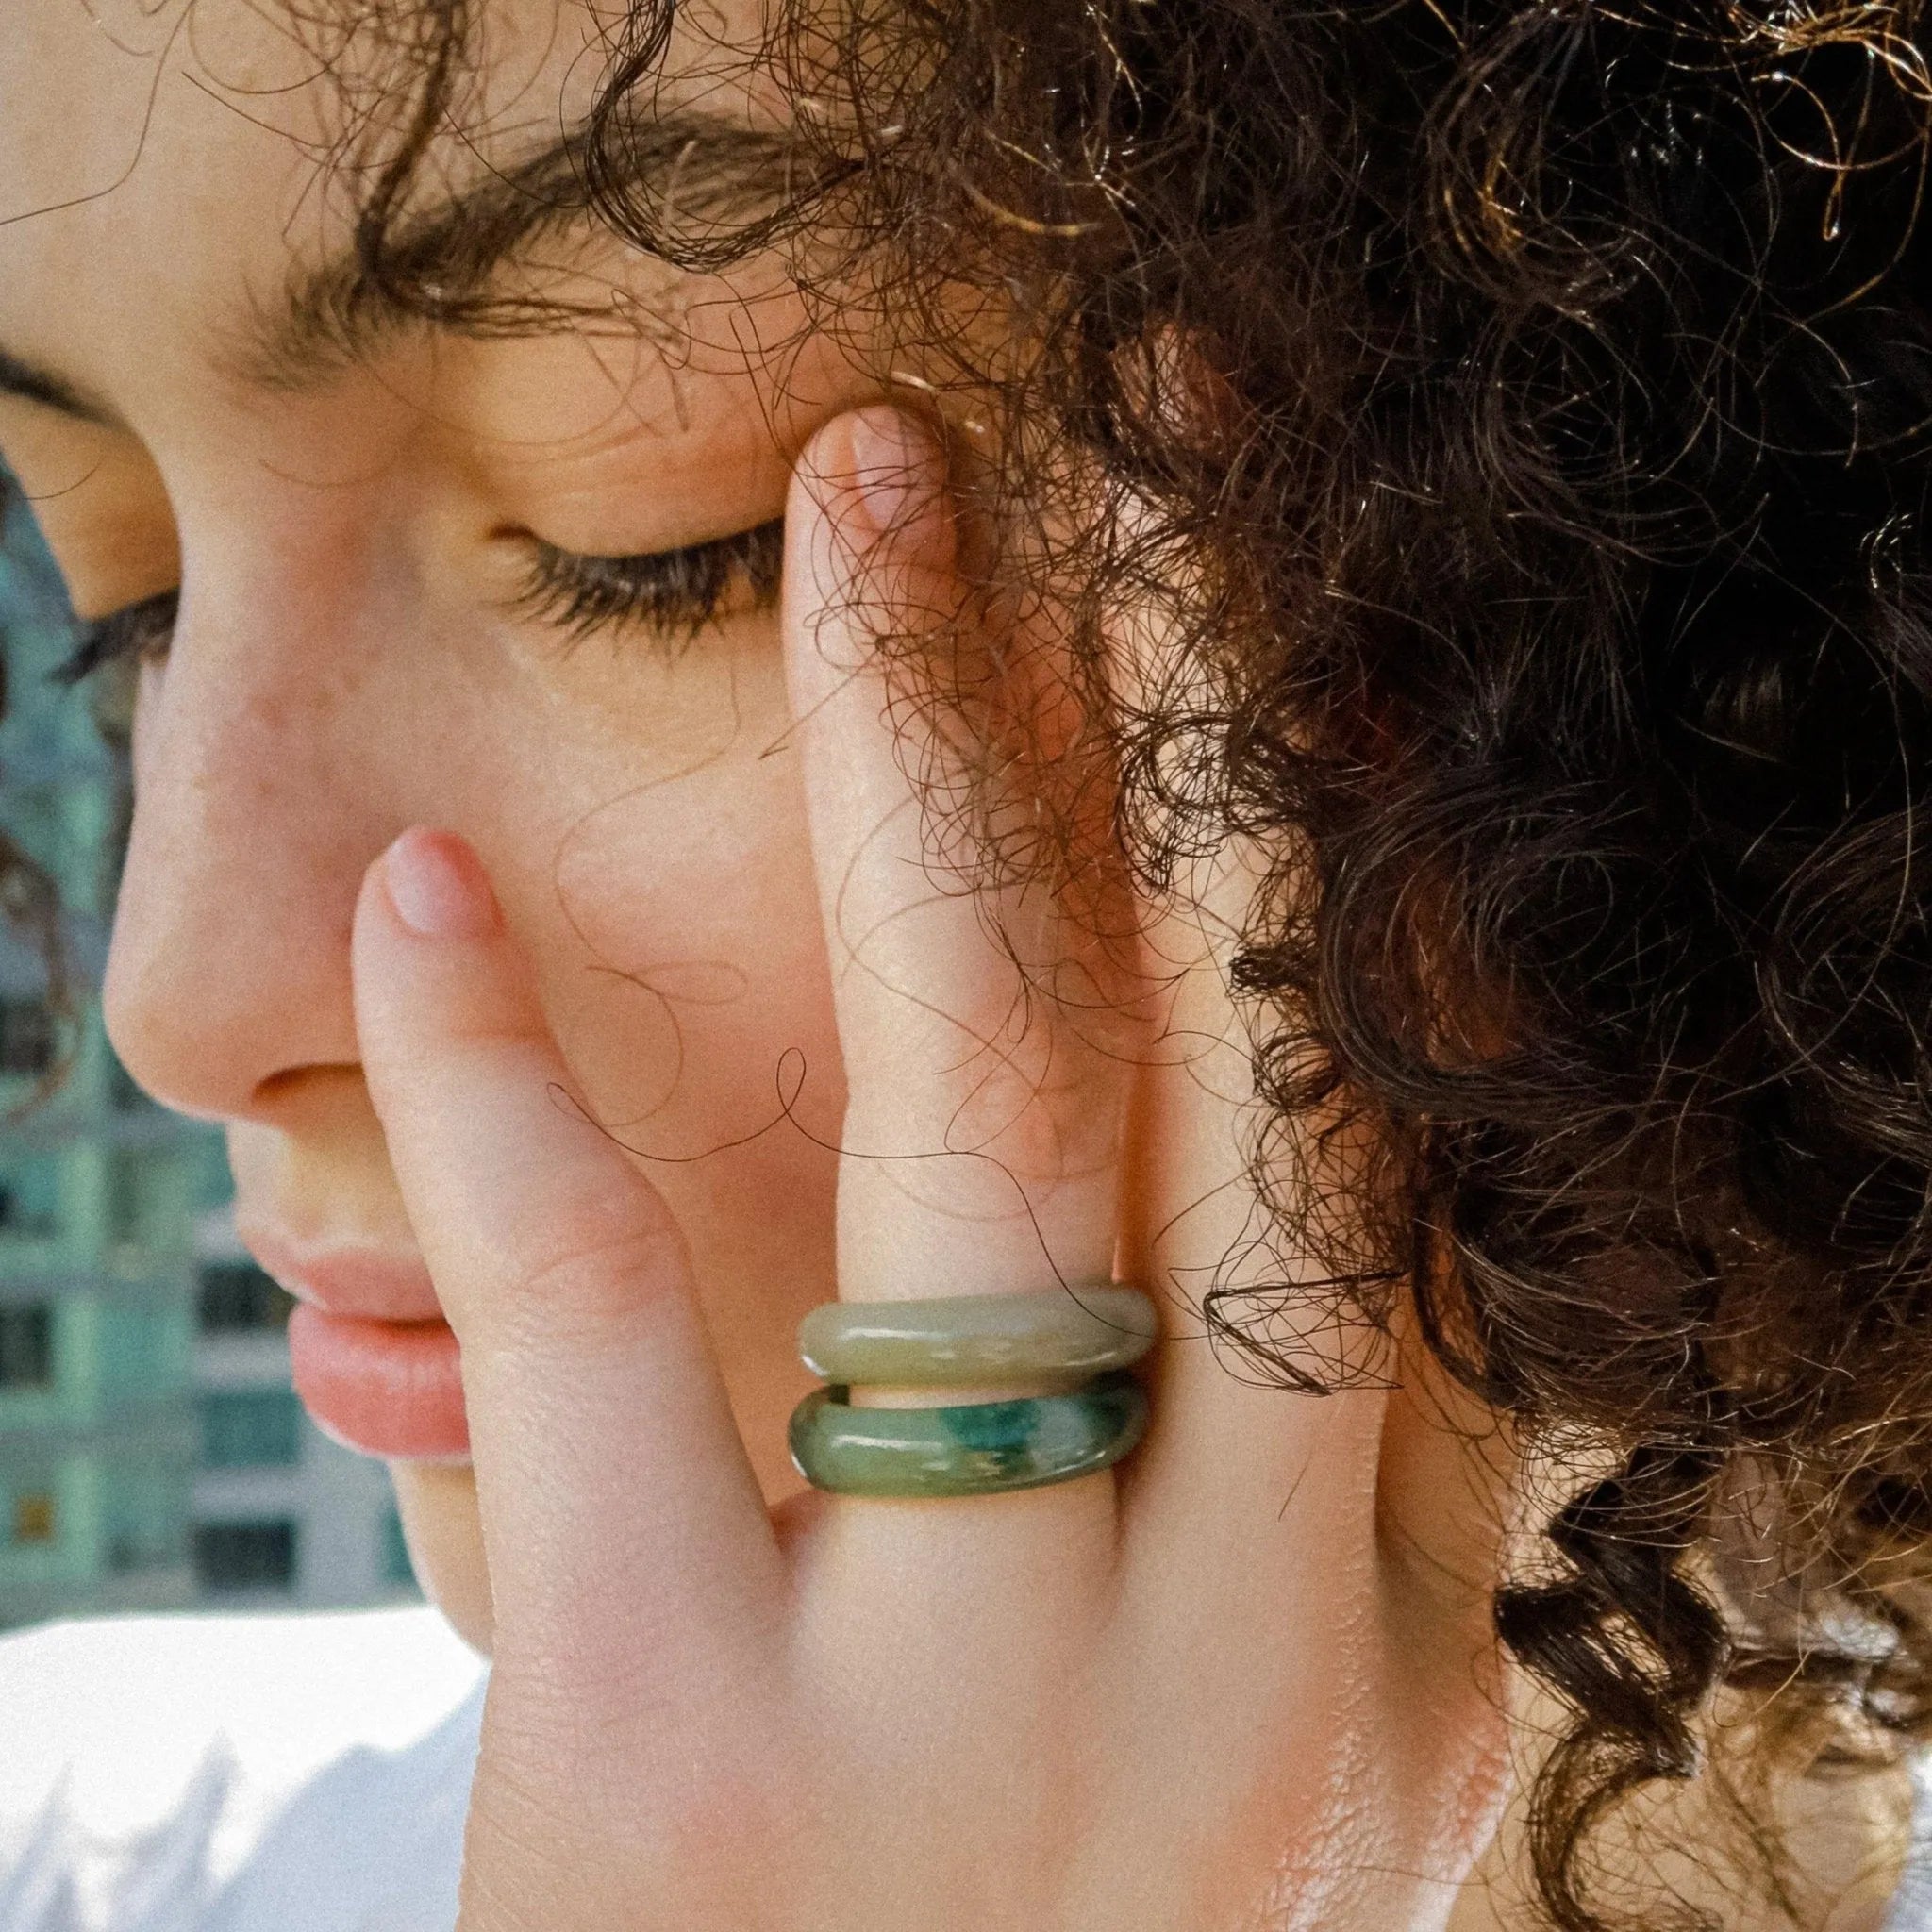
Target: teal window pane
x,y
250,1428
27,1041
397,1568
237,1298
126,1194
146,1519
121,1091
30,1196
27,1346
137,1352
245,1556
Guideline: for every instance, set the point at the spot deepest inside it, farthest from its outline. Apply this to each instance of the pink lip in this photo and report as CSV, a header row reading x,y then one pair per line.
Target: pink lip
x,y
389,1388
344,1280
372,1359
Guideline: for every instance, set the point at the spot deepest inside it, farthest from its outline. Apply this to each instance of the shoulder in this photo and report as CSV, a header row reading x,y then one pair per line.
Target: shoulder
x,y
306,1773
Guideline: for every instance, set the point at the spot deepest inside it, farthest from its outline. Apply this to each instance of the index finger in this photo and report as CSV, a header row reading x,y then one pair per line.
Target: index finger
x,y
614,1491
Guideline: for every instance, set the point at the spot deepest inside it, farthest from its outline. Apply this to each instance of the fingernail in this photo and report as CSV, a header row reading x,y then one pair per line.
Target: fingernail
x,y
898,472
438,888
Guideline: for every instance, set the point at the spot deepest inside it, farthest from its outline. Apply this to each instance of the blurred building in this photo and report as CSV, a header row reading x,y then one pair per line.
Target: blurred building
x,y
279,1511
151,1455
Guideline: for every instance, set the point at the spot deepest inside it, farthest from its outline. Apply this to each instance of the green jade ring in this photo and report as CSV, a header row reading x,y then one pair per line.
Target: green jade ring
x,y
977,1448
955,1339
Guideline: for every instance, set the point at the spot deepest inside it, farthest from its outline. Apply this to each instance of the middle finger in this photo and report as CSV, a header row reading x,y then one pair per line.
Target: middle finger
x,y
980,1153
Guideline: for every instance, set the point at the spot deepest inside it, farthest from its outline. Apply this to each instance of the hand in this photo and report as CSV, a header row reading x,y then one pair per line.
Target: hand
x,y
1242,1682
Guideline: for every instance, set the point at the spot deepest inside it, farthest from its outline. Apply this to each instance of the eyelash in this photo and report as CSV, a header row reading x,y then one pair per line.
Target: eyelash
x,y
677,593
136,632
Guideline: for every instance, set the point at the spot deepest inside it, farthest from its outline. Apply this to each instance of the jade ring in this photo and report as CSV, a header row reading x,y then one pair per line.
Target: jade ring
x,y
968,1449
967,1339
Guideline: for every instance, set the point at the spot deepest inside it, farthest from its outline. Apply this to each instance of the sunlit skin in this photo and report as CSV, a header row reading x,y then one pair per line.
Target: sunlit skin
x,y
691,952
663,863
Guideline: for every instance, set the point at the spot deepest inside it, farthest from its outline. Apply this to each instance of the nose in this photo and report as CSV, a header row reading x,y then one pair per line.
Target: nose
x,y
253,823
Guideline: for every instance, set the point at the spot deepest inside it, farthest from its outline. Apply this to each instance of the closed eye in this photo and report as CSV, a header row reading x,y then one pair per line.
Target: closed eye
x,y
673,592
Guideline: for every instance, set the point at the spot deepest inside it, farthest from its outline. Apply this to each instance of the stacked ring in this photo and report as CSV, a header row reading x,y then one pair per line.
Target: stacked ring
x,y
979,1448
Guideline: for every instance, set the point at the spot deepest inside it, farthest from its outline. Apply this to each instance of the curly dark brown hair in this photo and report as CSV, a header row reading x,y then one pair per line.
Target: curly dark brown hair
x,y
1518,415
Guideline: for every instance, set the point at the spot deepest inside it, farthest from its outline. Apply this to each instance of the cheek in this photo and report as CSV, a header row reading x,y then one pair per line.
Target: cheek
x,y
683,970
644,825
683,961
702,987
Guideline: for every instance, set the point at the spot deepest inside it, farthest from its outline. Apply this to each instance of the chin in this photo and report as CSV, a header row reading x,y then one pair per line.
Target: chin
x,y
444,1531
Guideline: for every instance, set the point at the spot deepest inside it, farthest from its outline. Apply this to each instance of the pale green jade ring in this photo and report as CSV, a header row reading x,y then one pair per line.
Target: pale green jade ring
x,y
970,1449
965,1340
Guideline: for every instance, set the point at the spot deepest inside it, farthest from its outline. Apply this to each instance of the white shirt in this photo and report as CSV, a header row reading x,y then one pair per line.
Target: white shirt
x,y
279,1773
265,1773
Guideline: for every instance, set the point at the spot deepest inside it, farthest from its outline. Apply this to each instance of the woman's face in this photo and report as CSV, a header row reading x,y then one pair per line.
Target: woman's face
x,y
378,531
355,512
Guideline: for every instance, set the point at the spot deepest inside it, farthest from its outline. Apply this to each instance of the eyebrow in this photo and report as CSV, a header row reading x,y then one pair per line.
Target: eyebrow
x,y
441,269
437,269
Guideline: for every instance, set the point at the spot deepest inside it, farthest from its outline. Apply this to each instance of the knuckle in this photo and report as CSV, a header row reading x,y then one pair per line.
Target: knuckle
x,y
587,1250
601,1273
